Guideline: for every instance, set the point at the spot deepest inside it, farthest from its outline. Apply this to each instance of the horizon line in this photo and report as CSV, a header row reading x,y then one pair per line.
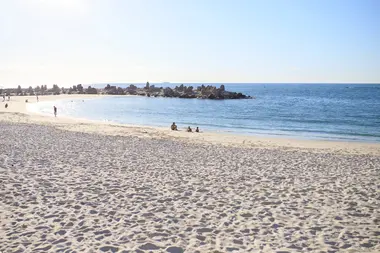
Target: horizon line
x,y
200,83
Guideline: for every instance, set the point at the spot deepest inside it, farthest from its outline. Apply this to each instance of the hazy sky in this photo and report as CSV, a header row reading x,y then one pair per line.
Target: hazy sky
x,y
88,41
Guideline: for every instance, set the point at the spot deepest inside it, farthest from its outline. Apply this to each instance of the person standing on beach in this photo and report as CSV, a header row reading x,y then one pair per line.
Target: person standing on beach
x,y
37,98
55,111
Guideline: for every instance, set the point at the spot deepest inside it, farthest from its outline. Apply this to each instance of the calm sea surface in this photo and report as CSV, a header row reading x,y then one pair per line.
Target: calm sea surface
x,y
307,111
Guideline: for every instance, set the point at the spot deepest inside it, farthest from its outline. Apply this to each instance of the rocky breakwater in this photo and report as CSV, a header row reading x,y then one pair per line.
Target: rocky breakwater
x,y
182,91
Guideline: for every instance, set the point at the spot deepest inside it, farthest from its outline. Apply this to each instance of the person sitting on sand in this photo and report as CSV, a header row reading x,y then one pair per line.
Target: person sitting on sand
x,y
197,130
174,127
6,105
189,129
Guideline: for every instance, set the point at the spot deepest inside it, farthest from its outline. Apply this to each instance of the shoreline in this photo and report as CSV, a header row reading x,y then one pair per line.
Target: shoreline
x,y
72,191
17,112
78,185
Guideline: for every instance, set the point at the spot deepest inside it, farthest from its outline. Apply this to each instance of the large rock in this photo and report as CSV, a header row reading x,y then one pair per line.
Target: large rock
x,y
185,95
168,92
211,96
182,91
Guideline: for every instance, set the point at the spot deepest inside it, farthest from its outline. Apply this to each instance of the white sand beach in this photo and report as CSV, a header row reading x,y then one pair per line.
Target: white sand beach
x,y
69,185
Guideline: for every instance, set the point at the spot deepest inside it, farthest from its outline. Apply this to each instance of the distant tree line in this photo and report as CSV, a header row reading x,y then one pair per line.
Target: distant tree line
x,y
43,90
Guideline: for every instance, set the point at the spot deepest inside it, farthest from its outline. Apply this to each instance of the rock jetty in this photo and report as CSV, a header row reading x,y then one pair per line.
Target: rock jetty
x,y
182,91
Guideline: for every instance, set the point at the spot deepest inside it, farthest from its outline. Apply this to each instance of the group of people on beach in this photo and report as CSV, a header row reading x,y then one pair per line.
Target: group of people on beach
x,y
9,97
6,104
175,128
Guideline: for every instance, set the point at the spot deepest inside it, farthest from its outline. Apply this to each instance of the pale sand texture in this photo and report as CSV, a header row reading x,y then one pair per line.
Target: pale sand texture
x,y
70,191
65,190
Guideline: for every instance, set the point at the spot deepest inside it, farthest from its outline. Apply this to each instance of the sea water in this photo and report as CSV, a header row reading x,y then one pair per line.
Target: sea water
x,y
307,111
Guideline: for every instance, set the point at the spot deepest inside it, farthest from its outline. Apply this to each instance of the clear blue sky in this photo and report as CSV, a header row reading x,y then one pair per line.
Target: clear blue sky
x,y
88,41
